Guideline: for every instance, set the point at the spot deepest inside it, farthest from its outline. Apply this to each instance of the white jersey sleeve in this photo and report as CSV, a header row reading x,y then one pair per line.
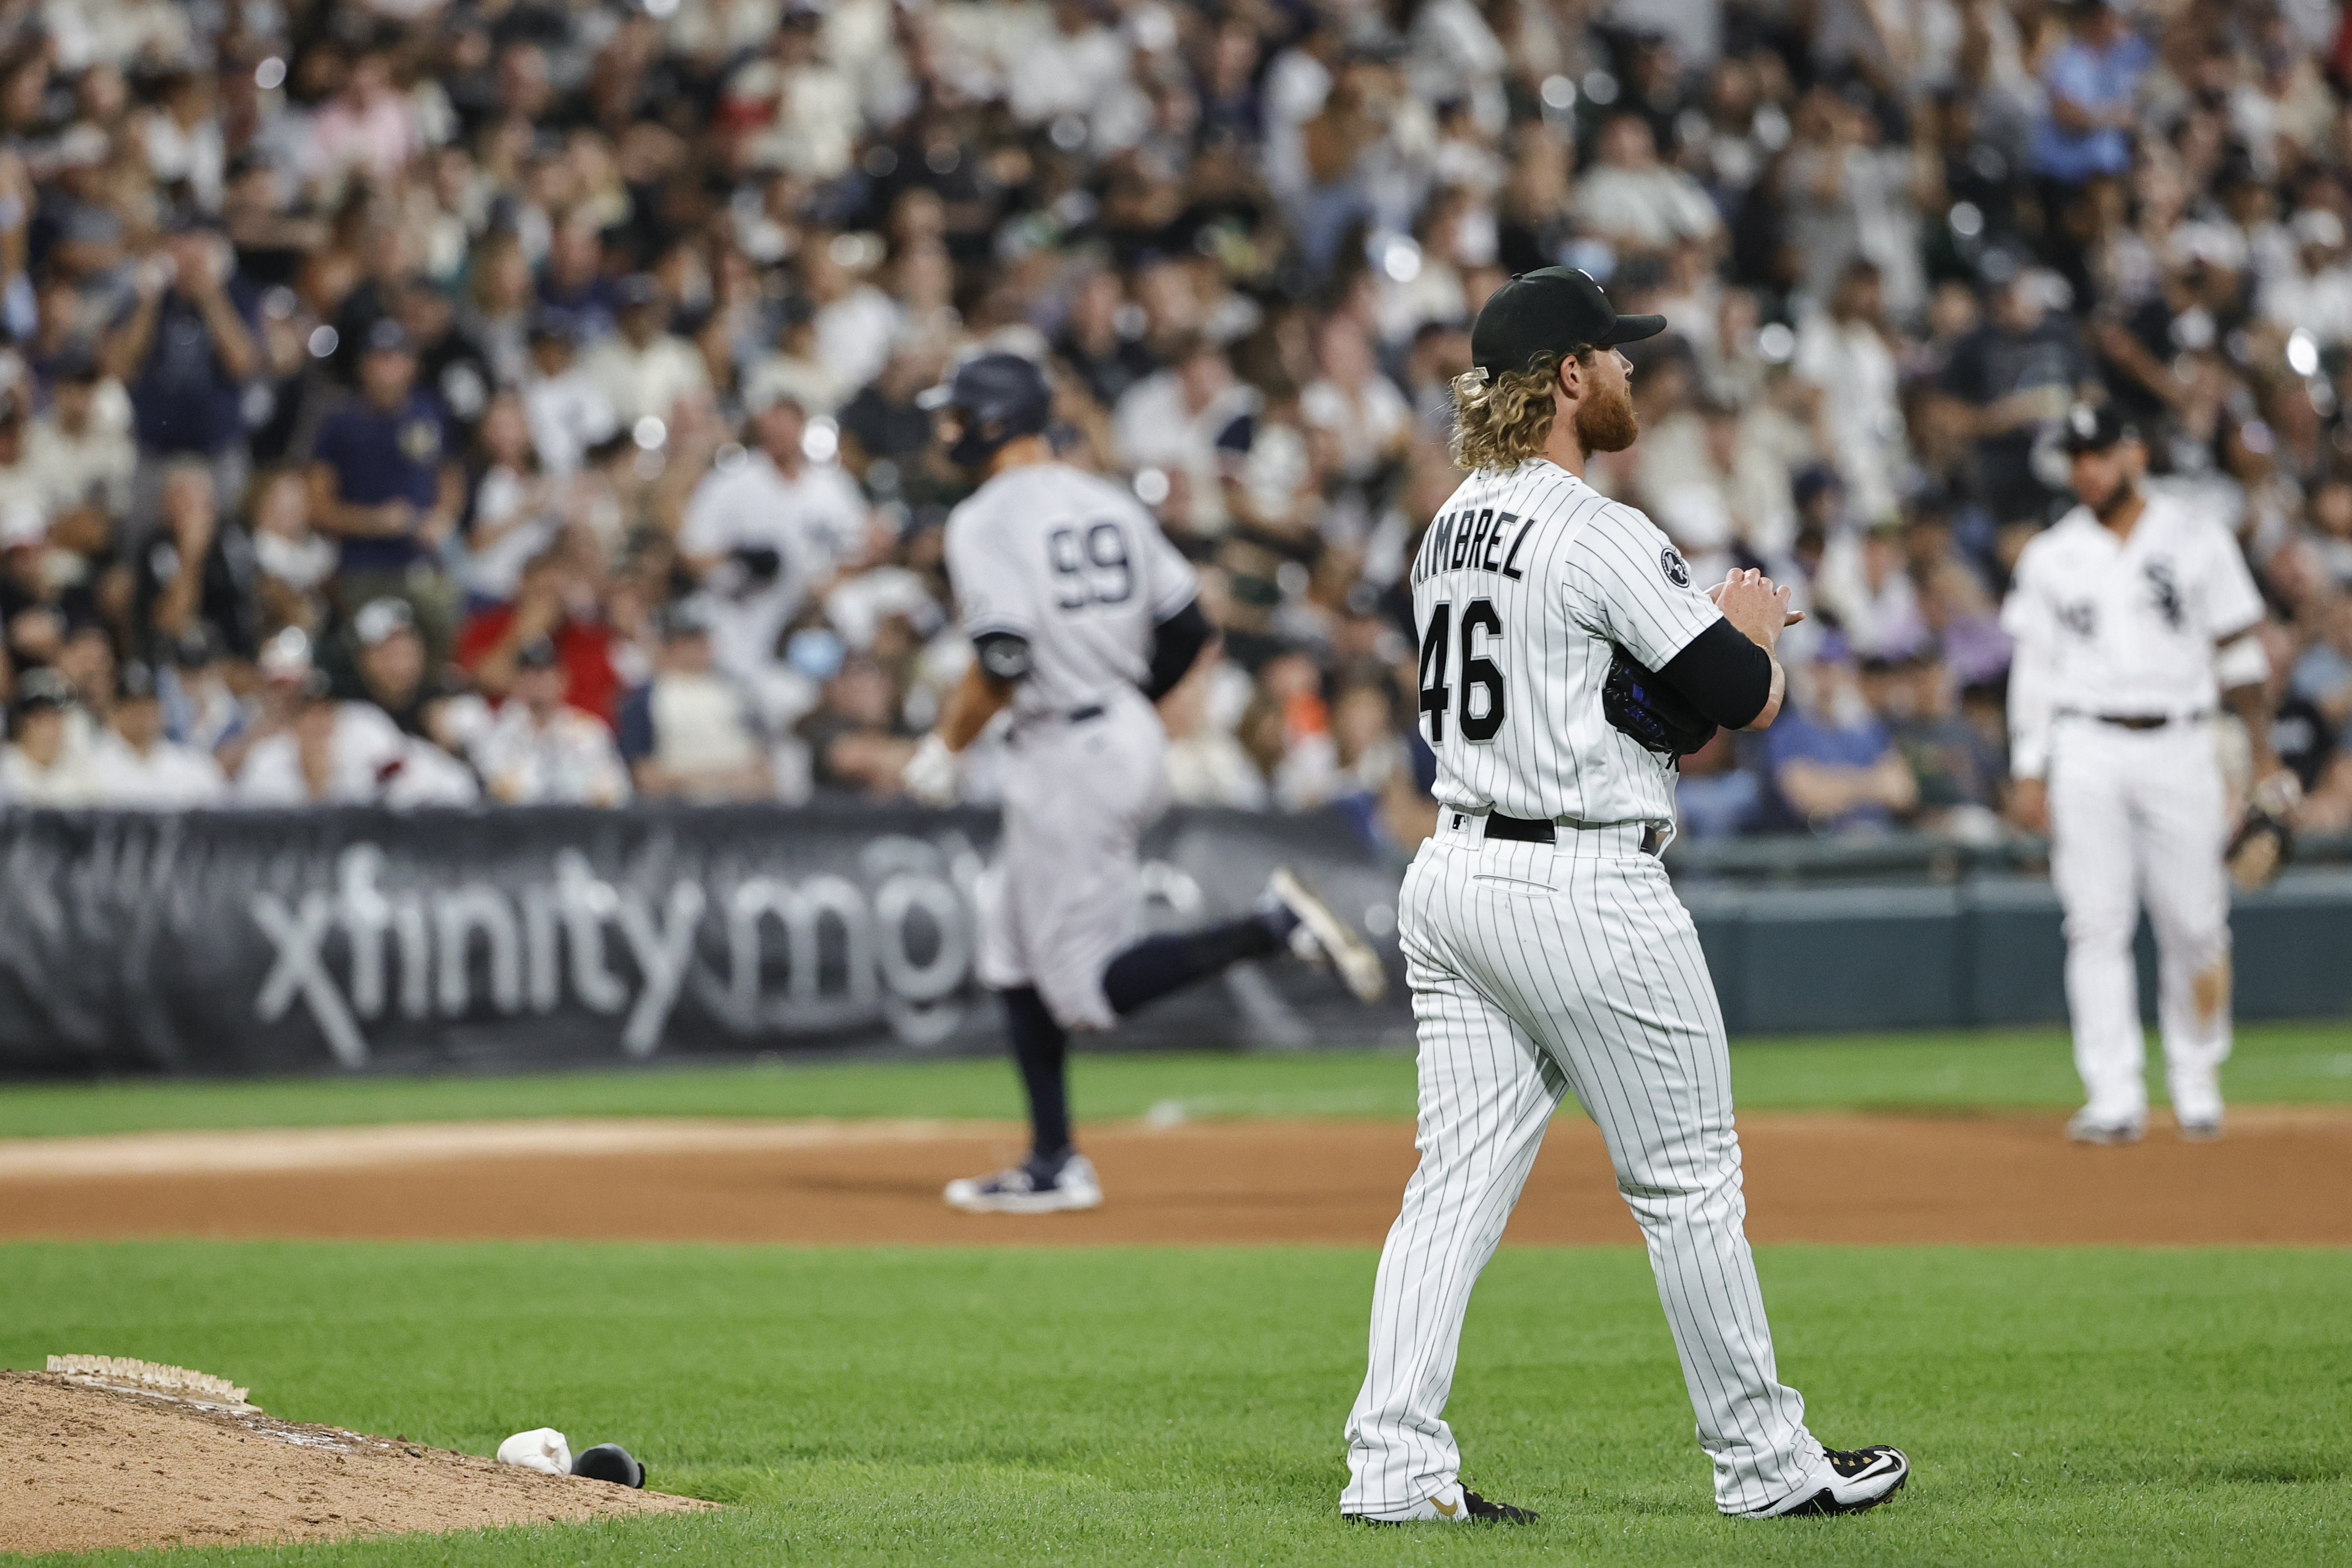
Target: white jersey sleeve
x,y
1630,585
2031,623
994,588
2227,603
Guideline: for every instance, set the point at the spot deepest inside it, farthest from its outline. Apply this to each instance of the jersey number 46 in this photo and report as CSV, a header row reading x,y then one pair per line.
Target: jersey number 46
x,y
1482,678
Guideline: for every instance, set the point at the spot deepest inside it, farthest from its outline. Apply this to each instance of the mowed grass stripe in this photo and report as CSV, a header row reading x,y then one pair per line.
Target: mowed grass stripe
x,y
1003,1407
2275,1063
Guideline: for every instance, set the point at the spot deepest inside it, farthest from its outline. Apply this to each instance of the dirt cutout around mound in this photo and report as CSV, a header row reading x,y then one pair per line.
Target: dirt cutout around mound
x,y
2004,1178
90,1468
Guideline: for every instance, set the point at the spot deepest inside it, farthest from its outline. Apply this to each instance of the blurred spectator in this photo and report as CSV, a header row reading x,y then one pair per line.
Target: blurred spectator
x,y
40,765
197,569
764,530
306,748
2008,381
540,751
1636,203
138,766
183,345
567,412
79,455
687,733
1715,797
643,370
1958,774
384,483
858,744
1833,767
2091,80
559,596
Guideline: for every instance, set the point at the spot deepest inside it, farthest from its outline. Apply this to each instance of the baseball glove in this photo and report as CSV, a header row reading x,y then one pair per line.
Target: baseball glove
x,y
2264,840
1645,707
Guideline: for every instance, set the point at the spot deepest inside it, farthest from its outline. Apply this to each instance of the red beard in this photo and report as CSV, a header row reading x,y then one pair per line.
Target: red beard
x,y
1608,424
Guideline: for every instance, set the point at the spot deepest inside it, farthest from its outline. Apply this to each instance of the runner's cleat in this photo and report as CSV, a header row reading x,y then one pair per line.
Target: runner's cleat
x,y
1320,936
1026,1189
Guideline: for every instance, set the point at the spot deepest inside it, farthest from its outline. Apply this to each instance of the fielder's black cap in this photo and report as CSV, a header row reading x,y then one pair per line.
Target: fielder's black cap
x,y
2090,429
1554,308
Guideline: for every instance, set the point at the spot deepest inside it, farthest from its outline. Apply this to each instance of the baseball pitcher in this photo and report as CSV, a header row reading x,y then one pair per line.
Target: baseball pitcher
x,y
1081,616
2132,617
1566,662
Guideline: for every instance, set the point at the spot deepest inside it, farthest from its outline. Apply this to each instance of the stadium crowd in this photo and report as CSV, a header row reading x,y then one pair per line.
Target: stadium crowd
x,y
426,402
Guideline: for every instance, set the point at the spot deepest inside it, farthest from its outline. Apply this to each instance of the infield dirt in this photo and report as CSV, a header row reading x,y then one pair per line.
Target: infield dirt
x,y
89,1468
1987,1179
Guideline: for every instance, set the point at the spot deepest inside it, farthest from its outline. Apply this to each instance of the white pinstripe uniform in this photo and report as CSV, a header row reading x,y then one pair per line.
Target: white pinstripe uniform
x,y
2110,629
1070,562
1538,970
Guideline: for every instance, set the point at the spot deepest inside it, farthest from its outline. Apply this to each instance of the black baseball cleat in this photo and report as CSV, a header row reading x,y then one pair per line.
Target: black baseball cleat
x,y
1456,1504
1847,1481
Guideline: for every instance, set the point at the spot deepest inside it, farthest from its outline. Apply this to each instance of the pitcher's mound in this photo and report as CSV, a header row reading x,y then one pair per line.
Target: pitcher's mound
x,y
91,1467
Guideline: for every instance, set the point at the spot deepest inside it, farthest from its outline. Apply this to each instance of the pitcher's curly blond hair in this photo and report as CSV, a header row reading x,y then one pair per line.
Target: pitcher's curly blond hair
x,y
1502,421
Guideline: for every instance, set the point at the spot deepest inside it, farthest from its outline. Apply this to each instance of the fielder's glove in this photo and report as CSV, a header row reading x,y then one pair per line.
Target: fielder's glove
x,y
2264,840
930,775
1645,707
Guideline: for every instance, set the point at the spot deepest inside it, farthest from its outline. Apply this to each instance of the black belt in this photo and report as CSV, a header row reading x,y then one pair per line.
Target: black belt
x,y
2138,720
1522,830
1080,715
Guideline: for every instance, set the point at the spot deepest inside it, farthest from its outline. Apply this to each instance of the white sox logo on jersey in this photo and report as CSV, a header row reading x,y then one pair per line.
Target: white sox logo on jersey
x,y
1677,570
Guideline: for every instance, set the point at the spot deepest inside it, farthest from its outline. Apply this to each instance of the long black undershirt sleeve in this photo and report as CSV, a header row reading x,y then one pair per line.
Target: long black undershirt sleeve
x,y
1176,642
1723,675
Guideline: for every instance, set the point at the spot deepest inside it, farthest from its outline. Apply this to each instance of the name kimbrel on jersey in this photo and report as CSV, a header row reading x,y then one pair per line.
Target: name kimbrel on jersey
x,y
1469,540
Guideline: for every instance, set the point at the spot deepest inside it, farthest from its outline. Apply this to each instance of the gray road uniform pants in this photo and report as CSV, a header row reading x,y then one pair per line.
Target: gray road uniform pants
x,y
1537,970
1060,901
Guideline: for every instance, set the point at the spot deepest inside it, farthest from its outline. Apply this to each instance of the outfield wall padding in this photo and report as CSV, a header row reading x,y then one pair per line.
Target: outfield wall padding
x,y
358,940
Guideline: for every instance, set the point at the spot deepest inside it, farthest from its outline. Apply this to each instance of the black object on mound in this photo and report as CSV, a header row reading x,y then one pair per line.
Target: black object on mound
x,y
609,1462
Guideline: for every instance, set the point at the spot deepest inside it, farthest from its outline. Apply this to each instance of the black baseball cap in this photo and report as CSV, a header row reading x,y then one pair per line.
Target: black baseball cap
x,y
1555,310
2094,429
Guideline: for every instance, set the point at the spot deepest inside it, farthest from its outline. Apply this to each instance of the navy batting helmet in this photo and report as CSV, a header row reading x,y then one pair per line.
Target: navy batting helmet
x,y
1000,396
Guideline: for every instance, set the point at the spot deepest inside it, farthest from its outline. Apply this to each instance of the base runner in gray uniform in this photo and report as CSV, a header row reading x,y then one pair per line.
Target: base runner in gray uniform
x,y
1081,614
1566,662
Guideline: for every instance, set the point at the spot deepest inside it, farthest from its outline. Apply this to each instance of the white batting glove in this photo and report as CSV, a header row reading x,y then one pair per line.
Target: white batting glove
x,y
932,773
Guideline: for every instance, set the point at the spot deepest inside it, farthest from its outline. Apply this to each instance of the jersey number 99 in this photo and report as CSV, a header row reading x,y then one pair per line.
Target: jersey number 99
x,y
1481,720
1090,567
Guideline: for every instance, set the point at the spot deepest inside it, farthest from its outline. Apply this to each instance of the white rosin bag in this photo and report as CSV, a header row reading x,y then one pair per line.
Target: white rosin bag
x,y
543,1448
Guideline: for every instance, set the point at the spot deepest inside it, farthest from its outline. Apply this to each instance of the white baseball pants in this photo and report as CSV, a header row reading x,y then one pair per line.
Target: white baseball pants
x,y
2133,815
1060,901
1537,970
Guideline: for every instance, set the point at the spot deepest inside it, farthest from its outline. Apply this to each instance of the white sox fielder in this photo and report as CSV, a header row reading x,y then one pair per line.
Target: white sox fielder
x,y
1081,614
1565,663
2130,618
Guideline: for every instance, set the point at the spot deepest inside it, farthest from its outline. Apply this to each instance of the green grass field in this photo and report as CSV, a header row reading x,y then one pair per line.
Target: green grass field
x,y
2274,1062
1183,1406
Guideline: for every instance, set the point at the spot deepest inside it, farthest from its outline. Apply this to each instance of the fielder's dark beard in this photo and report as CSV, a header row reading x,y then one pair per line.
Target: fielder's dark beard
x,y
1608,424
2122,496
